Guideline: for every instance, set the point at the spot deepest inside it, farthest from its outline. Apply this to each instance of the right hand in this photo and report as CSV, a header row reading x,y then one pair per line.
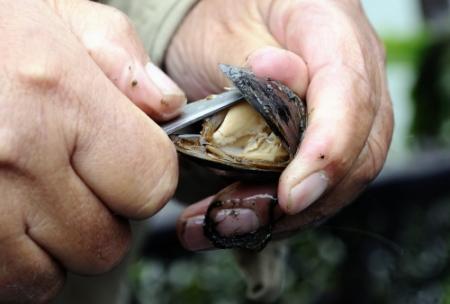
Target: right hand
x,y
77,158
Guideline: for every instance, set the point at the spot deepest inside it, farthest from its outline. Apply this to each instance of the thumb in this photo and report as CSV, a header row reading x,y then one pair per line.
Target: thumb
x,y
282,65
113,44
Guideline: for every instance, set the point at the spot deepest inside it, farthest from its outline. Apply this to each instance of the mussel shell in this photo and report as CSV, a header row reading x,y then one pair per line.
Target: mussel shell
x,y
194,147
281,108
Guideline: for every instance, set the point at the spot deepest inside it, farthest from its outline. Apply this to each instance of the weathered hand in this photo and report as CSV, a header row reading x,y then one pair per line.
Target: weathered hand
x,y
329,54
77,158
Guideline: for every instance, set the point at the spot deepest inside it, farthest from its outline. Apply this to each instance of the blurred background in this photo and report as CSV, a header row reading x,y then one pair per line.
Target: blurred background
x,y
390,246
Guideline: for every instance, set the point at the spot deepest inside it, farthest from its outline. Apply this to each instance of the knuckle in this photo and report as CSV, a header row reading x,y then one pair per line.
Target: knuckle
x,y
40,72
111,37
108,249
120,21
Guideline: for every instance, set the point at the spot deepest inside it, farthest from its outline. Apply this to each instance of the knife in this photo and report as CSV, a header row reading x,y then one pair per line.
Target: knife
x,y
198,110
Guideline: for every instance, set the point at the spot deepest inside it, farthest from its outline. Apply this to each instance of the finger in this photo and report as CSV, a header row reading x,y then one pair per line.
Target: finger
x,y
112,42
341,108
331,203
125,158
190,226
243,209
365,168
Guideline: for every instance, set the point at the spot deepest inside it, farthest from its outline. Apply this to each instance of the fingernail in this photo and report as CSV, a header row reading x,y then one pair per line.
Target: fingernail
x,y
307,192
193,237
231,222
173,96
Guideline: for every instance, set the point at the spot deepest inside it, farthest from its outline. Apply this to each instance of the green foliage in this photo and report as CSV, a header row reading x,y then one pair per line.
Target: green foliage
x,y
405,49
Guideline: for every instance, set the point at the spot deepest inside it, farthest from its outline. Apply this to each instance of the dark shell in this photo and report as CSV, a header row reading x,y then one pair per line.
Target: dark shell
x,y
281,108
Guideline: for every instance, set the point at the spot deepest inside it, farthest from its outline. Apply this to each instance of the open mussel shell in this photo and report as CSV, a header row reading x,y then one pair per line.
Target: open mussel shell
x,y
283,111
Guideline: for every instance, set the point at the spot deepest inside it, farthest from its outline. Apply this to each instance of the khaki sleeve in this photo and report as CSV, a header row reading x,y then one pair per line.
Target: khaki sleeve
x,y
156,21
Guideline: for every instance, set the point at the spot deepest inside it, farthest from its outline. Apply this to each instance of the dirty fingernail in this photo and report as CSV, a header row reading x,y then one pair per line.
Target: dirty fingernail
x,y
193,237
173,96
231,222
307,192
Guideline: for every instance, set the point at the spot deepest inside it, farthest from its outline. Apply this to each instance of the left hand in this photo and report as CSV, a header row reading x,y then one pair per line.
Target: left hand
x,y
328,53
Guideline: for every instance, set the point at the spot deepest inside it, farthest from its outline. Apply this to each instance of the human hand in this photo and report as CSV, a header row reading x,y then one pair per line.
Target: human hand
x,y
329,54
77,158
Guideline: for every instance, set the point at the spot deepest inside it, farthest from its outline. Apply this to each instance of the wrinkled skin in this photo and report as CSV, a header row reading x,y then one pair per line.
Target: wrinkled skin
x,y
329,54
77,158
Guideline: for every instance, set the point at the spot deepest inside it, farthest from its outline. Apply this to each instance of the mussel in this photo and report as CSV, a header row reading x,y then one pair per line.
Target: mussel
x,y
259,135
254,139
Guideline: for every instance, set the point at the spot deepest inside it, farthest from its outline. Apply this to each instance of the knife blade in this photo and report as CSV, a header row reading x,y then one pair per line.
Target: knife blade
x,y
198,110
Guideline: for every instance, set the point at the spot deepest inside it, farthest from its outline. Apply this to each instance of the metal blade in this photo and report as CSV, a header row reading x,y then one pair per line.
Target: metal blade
x,y
198,110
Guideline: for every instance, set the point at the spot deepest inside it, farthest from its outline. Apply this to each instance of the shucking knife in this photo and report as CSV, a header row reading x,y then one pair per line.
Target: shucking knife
x,y
198,110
